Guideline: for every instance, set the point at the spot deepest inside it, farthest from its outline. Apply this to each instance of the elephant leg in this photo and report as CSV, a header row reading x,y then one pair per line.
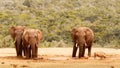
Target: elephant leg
x,y
16,48
74,51
24,50
36,51
30,52
89,51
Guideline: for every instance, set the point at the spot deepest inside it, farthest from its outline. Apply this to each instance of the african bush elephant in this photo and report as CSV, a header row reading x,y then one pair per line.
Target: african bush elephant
x,y
30,38
82,37
16,33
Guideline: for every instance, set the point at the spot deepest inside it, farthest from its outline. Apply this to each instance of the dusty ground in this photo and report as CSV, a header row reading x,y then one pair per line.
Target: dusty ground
x,y
60,58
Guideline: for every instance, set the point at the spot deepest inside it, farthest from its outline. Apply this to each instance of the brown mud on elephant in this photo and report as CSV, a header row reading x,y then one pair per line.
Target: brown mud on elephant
x,y
82,37
16,33
31,38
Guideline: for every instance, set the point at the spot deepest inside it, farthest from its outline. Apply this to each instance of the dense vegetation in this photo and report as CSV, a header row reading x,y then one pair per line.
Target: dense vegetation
x,y
56,18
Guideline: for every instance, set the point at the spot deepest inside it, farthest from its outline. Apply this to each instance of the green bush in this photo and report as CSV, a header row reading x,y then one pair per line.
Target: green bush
x,y
56,18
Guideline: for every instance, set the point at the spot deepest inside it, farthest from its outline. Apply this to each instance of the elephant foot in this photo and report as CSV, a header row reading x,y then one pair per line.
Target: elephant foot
x,y
73,56
89,55
35,58
27,58
79,57
19,56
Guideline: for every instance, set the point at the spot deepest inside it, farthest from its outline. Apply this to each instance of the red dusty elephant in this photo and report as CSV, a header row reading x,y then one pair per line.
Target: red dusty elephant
x,y
30,38
82,37
16,33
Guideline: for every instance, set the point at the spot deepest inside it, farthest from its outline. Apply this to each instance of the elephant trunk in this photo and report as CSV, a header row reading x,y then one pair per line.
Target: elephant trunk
x,y
81,51
18,46
33,45
34,50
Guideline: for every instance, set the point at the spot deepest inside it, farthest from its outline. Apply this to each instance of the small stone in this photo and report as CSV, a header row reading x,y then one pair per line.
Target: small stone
x,y
2,62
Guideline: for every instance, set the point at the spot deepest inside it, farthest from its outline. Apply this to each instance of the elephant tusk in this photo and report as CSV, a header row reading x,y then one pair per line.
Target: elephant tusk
x,y
76,44
14,42
85,44
28,46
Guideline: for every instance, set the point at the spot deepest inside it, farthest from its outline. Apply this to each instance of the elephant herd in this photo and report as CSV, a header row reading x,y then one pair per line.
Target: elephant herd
x,y
26,41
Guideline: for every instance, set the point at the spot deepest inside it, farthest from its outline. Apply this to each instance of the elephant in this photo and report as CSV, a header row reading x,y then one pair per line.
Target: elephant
x,y
30,38
82,37
16,33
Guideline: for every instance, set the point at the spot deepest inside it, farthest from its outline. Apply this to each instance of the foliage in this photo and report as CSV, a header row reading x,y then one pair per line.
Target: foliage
x,y
56,18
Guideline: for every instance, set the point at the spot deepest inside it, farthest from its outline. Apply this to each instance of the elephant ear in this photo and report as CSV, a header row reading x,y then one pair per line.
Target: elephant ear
x,y
25,36
12,32
73,34
39,35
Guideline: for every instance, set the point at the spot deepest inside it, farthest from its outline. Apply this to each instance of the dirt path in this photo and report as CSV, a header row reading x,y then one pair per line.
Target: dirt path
x,y
59,58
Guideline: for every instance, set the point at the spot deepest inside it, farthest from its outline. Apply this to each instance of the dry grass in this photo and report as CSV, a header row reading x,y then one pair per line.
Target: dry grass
x,y
59,58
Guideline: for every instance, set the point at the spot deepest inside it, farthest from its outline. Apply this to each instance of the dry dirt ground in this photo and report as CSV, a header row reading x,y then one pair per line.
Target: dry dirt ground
x,y
60,58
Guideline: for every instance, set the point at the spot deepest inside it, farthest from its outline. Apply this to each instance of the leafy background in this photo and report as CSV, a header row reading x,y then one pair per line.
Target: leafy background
x,y
56,18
